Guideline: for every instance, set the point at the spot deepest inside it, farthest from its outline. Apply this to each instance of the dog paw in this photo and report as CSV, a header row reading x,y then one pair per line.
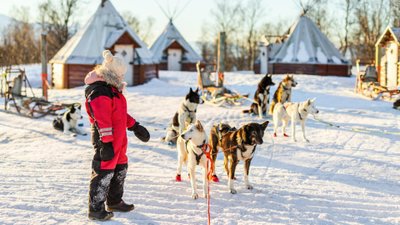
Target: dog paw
x,y
195,196
250,187
233,191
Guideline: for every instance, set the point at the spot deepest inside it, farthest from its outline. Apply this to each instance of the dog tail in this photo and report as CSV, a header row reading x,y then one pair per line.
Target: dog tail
x,y
271,108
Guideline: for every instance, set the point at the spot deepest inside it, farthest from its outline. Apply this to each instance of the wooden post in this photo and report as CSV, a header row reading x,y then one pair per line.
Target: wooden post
x,y
44,65
378,62
221,59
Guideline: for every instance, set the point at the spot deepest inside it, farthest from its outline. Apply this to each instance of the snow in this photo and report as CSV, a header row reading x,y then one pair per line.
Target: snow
x,y
302,54
321,56
340,177
336,60
289,53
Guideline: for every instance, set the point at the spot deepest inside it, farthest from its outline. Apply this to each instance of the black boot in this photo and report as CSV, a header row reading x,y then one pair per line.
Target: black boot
x,y
120,207
99,186
100,215
114,197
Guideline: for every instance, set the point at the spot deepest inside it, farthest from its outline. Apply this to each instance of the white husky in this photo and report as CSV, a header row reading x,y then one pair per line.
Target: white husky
x,y
294,111
192,148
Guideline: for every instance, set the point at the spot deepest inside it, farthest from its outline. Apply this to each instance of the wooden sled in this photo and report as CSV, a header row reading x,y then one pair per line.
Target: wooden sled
x,y
216,95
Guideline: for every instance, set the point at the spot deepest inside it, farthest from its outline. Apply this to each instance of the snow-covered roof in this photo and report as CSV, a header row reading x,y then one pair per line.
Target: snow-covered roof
x,y
169,36
102,30
307,44
396,32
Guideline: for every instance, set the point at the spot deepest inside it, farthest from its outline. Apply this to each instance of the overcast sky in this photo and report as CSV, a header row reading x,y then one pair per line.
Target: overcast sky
x,y
189,22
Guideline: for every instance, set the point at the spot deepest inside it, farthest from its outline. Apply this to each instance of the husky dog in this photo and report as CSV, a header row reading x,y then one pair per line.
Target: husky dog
x,y
192,149
241,145
296,112
261,97
396,104
69,121
216,133
185,115
283,92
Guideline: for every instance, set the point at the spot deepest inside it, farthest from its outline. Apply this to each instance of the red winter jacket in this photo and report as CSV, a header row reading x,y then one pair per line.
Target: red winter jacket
x,y
108,109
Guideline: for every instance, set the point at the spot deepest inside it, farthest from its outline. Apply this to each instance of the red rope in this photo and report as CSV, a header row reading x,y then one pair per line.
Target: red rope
x,y
209,175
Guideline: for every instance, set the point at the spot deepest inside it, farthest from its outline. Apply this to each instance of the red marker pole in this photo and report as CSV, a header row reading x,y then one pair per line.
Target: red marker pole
x,y
44,65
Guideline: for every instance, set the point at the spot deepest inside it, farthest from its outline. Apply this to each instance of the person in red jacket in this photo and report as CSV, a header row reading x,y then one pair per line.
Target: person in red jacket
x,y
107,110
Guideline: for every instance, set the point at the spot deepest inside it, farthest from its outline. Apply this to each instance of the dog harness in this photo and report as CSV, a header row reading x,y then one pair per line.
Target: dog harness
x,y
198,156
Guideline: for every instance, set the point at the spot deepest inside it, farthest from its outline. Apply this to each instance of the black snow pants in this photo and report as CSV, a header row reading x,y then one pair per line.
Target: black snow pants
x,y
106,185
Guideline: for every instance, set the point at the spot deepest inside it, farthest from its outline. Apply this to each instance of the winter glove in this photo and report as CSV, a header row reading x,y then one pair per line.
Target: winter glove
x,y
140,132
106,151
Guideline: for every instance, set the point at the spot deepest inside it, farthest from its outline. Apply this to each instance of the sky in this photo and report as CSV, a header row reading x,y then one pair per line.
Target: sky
x,y
189,21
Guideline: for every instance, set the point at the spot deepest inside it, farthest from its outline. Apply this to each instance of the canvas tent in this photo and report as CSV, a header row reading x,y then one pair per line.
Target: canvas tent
x,y
106,29
387,58
173,51
307,51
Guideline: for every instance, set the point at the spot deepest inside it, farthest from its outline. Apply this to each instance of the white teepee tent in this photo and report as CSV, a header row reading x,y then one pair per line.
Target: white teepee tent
x,y
307,50
173,51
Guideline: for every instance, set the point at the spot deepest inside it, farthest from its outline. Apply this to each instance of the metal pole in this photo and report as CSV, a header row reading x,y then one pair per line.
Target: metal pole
x,y
221,59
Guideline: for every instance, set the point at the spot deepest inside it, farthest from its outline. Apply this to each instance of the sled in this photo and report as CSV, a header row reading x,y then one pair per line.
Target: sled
x,y
15,87
213,94
367,84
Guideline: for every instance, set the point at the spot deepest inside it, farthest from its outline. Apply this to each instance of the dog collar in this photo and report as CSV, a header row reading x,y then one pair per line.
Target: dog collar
x,y
187,109
284,88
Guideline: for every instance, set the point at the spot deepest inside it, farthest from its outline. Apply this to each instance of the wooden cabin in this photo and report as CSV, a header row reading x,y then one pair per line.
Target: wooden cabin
x,y
387,58
106,29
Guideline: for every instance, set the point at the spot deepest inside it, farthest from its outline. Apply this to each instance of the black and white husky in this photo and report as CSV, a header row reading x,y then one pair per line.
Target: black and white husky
x,y
68,123
185,115
261,97
296,112
192,149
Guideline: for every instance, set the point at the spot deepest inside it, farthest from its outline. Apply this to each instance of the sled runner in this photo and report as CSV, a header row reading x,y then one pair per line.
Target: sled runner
x,y
15,87
213,94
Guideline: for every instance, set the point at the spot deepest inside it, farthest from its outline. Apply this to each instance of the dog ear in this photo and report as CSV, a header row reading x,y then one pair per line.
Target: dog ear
x,y
220,127
313,100
72,109
197,90
265,124
199,126
190,90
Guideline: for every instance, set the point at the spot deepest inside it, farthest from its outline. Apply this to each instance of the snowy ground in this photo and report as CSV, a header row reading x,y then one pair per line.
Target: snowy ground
x,y
340,177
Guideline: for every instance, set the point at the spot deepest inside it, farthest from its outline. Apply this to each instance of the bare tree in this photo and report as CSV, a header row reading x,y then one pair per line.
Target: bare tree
x,y
58,15
226,17
371,18
395,12
20,44
348,21
144,28
252,13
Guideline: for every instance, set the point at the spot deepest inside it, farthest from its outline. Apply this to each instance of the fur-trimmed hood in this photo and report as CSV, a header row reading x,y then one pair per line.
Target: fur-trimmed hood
x,y
103,74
